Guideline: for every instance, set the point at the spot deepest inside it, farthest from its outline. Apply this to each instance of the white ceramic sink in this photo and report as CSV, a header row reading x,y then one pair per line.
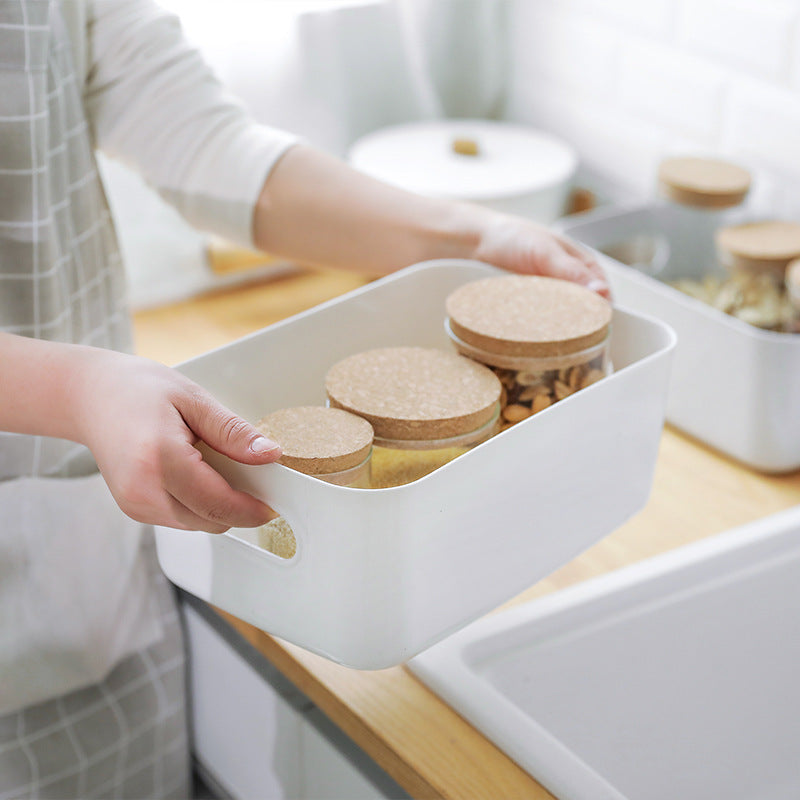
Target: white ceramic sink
x,y
678,677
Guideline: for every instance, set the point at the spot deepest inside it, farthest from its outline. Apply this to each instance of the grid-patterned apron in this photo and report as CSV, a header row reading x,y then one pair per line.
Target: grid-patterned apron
x,y
80,592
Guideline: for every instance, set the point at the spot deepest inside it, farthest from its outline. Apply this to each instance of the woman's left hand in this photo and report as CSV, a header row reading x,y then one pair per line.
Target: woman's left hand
x,y
519,245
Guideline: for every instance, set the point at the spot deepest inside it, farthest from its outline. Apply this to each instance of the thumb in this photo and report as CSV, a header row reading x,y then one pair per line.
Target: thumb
x,y
228,433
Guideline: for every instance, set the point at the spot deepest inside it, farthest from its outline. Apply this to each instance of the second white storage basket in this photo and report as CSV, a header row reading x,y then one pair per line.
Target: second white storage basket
x,y
734,386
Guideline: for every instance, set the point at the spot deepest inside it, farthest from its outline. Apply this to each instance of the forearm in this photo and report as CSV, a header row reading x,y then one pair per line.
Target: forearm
x,y
315,209
39,381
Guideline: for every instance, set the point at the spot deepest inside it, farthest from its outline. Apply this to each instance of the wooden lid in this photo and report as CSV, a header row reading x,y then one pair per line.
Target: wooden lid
x,y
527,315
760,246
703,182
415,393
318,440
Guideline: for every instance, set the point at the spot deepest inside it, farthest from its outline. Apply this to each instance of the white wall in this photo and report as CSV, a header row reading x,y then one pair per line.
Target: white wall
x,y
628,81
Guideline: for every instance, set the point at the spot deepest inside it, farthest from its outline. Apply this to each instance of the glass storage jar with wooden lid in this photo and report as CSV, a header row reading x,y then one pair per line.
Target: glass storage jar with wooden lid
x,y
328,443
426,406
756,256
793,292
703,195
544,338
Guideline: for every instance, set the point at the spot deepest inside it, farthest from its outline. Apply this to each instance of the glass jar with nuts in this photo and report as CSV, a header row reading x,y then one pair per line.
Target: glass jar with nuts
x,y
544,338
426,406
755,287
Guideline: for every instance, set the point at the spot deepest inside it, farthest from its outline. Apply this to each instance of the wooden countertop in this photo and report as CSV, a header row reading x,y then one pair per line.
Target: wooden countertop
x,y
422,743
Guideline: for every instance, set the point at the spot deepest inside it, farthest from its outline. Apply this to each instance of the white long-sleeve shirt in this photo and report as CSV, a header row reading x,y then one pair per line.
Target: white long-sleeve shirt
x,y
153,103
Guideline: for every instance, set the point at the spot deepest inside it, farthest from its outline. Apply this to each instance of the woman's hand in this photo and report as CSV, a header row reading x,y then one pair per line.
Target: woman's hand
x,y
142,420
519,245
361,224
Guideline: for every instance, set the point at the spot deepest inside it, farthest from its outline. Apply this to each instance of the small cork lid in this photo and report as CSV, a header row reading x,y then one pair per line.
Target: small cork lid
x,y
317,440
703,182
528,315
765,247
415,393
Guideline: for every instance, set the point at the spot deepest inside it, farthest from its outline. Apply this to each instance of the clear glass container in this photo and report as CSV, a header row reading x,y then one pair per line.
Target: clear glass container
x,y
545,339
532,384
426,407
396,462
700,196
752,286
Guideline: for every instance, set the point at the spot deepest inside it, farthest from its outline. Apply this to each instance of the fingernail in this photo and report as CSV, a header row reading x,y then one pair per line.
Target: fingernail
x,y
597,286
261,446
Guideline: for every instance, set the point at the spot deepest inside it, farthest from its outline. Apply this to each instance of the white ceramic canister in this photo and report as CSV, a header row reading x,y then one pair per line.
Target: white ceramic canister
x,y
508,167
544,338
426,406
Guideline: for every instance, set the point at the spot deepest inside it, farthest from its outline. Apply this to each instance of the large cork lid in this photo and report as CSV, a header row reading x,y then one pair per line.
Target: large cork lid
x,y
527,315
415,393
317,440
760,246
703,182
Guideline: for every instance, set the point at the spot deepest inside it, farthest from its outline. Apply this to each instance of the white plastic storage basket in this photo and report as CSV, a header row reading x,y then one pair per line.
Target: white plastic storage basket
x,y
734,387
381,574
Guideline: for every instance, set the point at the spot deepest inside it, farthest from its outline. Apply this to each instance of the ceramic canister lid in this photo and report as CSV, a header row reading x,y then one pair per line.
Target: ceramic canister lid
x,y
703,182
527,315
760,246
415,393
467,159
317,440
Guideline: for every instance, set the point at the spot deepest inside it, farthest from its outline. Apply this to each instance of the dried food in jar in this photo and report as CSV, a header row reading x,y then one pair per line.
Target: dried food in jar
x,y
426,406
544,338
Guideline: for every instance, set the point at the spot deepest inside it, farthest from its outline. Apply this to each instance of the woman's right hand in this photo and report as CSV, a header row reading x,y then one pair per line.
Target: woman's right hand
x,y
142,420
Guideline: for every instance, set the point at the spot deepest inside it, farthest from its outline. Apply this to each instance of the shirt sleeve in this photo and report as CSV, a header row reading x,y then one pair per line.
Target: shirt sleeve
x,y
153,103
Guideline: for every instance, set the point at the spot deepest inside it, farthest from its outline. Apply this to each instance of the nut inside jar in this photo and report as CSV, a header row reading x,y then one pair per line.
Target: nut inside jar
x,y
755,288
545,339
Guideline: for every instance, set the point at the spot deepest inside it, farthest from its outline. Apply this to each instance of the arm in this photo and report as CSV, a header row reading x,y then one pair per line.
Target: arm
x,y
141,421
317,210
153,102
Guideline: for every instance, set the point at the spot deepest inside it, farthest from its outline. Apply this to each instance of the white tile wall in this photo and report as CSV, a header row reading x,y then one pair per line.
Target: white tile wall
x,y
628,82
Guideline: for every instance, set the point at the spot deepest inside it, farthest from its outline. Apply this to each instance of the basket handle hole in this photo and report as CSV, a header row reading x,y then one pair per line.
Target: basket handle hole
x,y
275,536
278,537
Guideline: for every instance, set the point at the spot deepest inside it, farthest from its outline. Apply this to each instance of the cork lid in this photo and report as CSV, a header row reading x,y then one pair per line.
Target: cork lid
x,y
317,440
760,246
415,393
703,182
527,315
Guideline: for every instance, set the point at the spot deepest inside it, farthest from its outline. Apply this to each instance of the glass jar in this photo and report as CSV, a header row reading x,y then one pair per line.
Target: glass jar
x,y
700,195
756,256
793,293
328,443
544,338
426,407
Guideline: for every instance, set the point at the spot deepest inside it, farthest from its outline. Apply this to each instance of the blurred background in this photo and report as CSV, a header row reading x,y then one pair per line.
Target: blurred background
x,y
623,82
